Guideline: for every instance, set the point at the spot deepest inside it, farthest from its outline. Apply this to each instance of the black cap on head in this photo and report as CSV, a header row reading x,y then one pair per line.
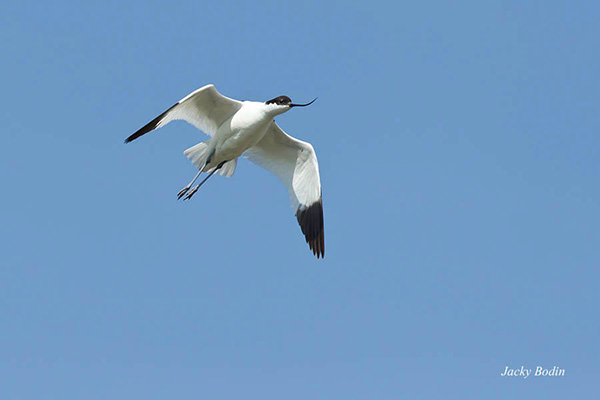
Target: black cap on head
x,y
286,101
281,101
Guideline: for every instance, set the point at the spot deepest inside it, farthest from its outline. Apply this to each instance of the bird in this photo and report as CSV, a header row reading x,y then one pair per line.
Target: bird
x,y
248,129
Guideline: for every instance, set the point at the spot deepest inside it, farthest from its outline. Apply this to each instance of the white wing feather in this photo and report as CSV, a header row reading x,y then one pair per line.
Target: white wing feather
x,y
204,108
294,162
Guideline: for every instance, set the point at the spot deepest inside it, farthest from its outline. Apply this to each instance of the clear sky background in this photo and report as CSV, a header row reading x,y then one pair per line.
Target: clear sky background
x,y
459,149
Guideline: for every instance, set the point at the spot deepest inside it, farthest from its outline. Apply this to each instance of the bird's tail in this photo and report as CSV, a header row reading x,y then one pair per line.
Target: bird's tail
x,y
198,155
228,168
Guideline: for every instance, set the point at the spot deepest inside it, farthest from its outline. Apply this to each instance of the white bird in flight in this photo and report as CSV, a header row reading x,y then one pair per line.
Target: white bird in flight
x,y
247,128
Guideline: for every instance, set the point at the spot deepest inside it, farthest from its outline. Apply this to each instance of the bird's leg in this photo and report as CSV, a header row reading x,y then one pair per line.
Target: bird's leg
x,y
195,188
183,191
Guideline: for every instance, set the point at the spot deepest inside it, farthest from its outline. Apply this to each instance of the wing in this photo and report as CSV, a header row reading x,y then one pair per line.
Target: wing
x,y
205,108
294,162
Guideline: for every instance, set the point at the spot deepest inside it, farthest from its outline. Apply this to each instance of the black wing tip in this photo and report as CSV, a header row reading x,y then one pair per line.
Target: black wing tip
x,y
150,126
318,246
311,222
134,136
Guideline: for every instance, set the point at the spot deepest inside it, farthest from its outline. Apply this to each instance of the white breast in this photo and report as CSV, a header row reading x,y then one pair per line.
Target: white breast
x,y
243,130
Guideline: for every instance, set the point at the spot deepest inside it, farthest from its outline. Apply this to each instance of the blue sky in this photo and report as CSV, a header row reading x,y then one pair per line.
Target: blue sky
x,y
459,151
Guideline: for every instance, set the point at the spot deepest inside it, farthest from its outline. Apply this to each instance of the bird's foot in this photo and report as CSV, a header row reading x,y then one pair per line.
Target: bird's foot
x,y
183,191
191,193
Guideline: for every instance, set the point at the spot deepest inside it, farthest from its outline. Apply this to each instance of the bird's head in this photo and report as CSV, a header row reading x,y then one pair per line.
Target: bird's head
x,y
281,104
